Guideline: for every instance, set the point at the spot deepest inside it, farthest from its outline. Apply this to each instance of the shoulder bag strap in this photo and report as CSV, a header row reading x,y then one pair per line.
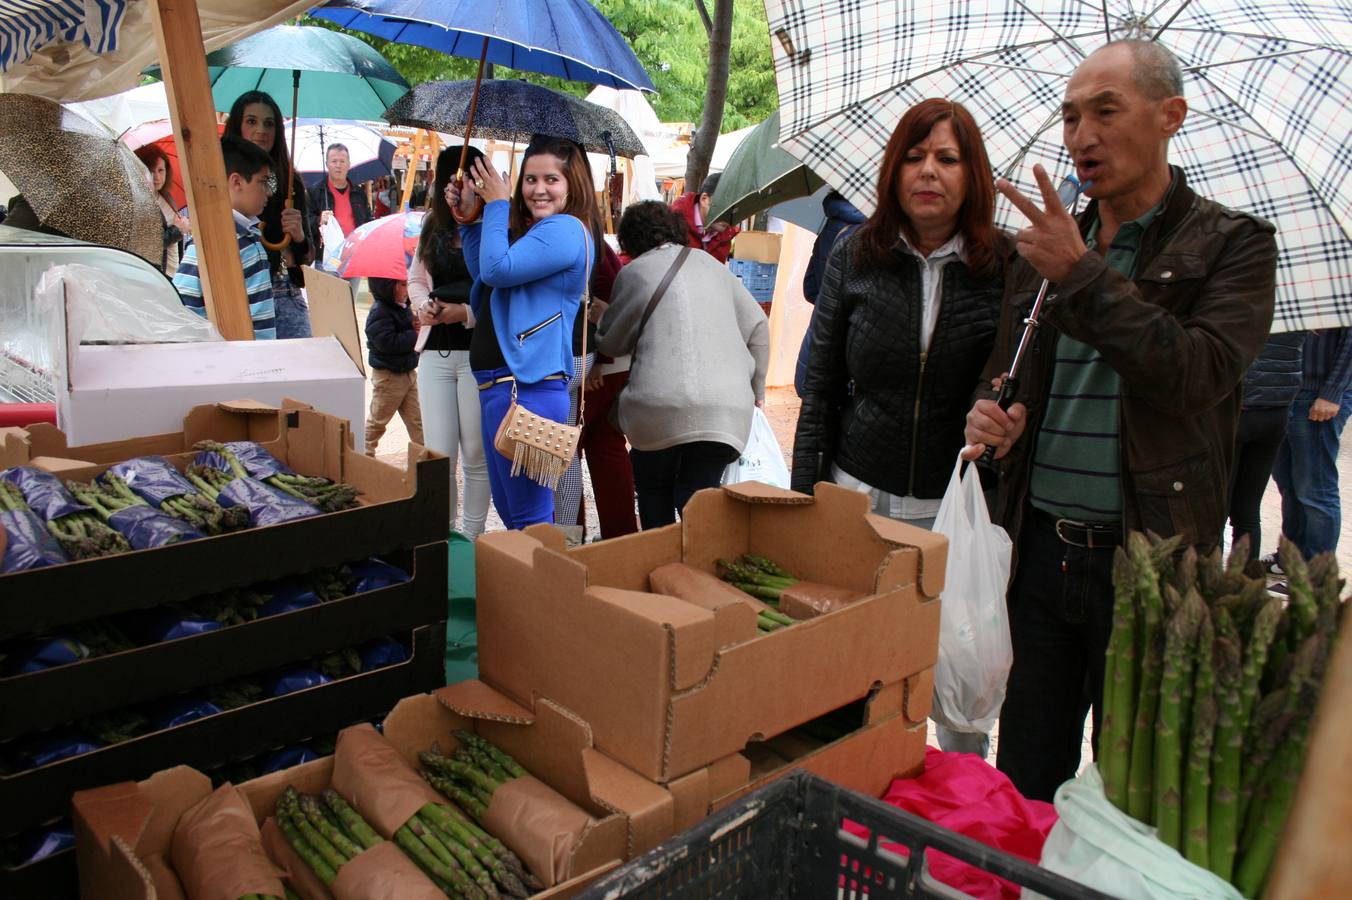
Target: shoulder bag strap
x,y
657,297
586,321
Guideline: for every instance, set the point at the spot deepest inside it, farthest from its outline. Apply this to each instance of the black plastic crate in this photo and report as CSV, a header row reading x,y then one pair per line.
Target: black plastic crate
x,y
786,840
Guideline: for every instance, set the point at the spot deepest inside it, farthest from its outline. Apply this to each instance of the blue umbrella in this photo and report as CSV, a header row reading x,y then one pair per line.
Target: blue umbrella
x,y
567,38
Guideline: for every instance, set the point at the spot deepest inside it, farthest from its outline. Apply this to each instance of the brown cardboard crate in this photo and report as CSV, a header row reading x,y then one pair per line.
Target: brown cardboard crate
x,y
665,686
121,827
400,509
760,246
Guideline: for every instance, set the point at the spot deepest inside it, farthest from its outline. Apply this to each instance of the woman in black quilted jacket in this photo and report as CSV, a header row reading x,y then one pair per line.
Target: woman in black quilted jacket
x,y
905,321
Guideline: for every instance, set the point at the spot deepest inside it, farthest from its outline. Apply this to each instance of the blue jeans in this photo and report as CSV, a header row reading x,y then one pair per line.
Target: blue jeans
x,y
293,314
518,500
1306,473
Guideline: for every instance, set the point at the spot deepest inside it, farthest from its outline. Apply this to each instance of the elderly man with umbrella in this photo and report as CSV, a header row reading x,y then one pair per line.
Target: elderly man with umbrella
x,y
1125,418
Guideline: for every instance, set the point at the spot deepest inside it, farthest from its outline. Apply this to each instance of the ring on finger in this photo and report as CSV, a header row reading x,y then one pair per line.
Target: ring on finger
x,y
479,184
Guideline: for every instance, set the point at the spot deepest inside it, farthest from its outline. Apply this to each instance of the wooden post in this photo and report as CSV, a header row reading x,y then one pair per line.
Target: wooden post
x,y
1313,860
178,34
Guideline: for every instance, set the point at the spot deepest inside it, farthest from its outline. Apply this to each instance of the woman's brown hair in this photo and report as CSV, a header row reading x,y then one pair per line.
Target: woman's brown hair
x,y
149,154
976,217
581,198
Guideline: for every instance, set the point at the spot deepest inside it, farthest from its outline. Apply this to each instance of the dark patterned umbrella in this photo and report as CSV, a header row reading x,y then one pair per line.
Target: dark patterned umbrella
x,y
78,177
513,111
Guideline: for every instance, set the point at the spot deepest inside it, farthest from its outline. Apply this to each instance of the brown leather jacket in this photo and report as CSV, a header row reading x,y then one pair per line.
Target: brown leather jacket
x,y
1180,335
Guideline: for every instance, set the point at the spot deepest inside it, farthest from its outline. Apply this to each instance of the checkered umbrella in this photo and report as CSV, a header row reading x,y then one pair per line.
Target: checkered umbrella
x,y
1267,86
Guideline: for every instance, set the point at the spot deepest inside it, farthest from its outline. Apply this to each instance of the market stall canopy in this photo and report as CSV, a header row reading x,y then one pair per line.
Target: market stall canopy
x,y
341,77
1267,88
27,26
123,112
514,111
69,72
77,177
570,39
759,175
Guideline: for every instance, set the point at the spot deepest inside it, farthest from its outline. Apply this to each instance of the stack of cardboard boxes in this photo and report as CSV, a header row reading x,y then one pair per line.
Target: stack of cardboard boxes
x,y
401,519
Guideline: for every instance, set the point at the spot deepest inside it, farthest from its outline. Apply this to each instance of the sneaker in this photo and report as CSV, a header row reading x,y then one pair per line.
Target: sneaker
x,y
1271,565
1281,588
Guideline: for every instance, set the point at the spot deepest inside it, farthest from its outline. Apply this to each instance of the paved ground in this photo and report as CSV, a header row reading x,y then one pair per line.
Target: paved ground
x,y
782,410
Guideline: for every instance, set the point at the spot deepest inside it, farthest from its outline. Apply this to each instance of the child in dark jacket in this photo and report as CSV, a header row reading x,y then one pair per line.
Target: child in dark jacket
x,y
390,336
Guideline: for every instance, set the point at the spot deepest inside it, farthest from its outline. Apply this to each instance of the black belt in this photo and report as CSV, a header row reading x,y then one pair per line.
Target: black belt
x,y
1090,535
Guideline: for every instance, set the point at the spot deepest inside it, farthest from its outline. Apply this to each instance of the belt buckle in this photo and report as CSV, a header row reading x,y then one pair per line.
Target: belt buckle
x,y
1089,536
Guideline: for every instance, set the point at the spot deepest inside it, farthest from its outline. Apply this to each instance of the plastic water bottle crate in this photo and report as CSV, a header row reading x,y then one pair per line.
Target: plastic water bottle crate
x,y
758,277
788,840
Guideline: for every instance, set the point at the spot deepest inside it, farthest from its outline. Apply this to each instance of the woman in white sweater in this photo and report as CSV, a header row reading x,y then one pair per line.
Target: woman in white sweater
x,y
699,357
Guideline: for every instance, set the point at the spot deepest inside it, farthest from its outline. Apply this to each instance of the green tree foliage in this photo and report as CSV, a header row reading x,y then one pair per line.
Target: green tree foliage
x,y
670,42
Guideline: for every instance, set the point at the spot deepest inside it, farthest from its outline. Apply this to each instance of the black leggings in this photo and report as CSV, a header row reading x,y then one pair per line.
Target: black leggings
x,y
1260,433
665,479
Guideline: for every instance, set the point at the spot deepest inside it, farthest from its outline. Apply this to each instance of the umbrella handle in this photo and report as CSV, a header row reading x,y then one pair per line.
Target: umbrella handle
x,y
475,211
279,246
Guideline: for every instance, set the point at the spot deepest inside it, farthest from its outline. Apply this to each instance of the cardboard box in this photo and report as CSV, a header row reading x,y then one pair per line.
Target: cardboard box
x,y
35,796
399,509
121,827
40,700
668,687
760,246
114,392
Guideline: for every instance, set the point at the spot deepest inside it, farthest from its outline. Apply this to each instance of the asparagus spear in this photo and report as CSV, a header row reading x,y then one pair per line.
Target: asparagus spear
x,y
1264,828
767,566
452,853
329,496
1140,782
327,873
1120,683
310,808
288,805
1223,824
487,746
1197,784
356,826
449,879
474,855
1175,682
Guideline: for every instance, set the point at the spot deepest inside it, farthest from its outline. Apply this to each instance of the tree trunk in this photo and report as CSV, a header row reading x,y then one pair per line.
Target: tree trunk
x,y
715,94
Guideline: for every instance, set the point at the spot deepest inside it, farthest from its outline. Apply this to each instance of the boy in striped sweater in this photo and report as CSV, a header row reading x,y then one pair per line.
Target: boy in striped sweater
x,y
251,181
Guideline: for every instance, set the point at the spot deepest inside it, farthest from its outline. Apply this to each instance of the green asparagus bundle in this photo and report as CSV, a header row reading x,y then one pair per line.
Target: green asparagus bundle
x,y
194,508
1210,686
763,579
82,534
469,779
330,496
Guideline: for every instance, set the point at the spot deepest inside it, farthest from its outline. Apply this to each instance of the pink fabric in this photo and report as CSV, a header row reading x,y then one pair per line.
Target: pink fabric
x,y
964,793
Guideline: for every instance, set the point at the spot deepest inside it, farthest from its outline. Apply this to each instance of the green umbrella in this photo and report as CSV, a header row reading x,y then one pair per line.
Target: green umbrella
x,y
759,175
340,76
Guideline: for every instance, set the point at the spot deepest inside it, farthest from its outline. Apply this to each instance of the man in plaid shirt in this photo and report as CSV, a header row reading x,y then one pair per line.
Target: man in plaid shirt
x,y
1126,409
251,183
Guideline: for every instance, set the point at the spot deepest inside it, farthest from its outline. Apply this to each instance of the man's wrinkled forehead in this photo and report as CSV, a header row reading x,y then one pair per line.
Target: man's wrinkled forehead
x,y
1097,100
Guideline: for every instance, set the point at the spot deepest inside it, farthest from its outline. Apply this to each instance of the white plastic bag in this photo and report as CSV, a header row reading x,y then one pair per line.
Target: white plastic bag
x,y
331,234
761,459
975,652
1099,846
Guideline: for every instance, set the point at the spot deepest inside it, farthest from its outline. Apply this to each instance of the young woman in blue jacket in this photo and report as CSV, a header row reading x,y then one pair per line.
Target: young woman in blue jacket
x,y
531,252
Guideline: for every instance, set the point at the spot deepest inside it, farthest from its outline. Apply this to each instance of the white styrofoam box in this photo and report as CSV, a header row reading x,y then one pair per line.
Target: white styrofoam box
x,y
126,391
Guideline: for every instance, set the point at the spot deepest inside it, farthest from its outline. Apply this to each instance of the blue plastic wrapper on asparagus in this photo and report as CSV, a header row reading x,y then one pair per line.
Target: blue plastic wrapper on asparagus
x,y
380,653
266,504
166,624
297,678
258,462
287,596
36,654
29,544
40,843
146,526
372,574
153,478
43,492
45,749
180,711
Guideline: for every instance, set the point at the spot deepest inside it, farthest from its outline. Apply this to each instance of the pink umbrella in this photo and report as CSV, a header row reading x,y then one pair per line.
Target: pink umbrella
x,y
382,248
